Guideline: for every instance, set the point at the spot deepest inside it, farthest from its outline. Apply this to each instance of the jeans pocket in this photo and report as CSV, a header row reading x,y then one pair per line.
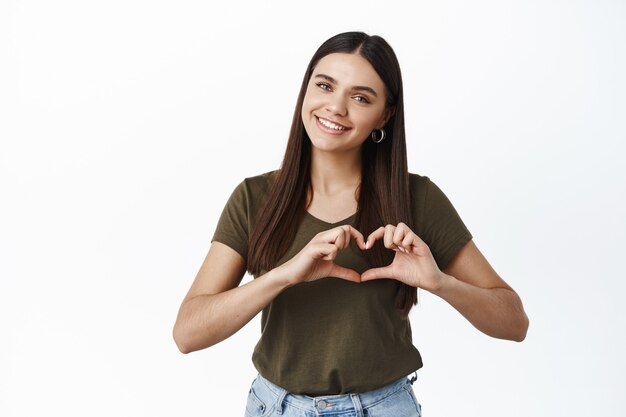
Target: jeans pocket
x,y
417,403
400,403
255,407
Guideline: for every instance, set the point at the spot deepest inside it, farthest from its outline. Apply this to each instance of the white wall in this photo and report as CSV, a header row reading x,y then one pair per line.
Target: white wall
x,y
124,126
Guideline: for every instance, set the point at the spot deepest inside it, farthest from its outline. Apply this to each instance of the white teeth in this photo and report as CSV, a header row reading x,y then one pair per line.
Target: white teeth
x,y
331,125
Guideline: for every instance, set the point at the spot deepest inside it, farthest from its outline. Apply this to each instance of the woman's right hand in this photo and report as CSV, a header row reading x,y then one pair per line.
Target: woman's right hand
x,y
216,306
316,259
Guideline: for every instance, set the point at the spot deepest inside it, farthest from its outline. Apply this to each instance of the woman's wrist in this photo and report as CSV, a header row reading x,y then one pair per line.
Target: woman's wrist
x,y
445,281
278,276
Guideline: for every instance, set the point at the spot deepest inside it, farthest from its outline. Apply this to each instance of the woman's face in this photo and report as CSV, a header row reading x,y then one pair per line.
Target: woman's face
x,y
344,102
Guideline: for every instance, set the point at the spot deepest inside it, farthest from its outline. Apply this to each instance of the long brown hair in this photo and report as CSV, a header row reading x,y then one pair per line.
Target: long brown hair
x,y
384,196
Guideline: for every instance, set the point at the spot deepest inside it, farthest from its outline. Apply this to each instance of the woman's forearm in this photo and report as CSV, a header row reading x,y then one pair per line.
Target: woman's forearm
x,y
207,319
497,312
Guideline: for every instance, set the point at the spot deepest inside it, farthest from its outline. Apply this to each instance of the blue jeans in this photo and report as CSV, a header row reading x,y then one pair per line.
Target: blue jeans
x,y
394,400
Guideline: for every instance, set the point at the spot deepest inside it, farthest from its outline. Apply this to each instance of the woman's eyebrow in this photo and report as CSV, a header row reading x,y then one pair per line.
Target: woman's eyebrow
x,y
356,87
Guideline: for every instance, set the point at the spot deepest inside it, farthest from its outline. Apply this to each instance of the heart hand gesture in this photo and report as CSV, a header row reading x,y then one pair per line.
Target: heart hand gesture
x,y
413,263
316,259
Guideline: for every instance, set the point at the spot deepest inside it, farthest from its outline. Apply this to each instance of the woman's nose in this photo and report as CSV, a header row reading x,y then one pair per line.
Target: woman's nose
x,y
336,105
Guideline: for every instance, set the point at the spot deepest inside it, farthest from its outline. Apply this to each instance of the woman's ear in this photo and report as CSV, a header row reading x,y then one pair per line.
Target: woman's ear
x,y
388,113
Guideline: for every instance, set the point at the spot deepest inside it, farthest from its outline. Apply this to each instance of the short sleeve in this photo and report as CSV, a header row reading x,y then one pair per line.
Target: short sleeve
x,y
239,214
441,226
232,227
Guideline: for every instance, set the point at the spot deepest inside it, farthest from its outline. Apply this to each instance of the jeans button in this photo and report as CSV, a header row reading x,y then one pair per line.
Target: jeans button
x,y
322,404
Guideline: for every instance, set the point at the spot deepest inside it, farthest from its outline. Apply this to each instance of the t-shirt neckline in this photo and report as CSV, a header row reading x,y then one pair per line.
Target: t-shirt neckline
x,y
325,223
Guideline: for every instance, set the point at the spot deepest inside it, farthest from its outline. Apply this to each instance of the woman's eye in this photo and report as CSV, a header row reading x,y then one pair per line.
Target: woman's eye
x,y
324,86
361,99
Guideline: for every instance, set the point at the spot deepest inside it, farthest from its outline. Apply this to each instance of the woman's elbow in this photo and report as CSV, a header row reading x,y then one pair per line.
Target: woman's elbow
x,y
522,328
188,340
181,341
518,324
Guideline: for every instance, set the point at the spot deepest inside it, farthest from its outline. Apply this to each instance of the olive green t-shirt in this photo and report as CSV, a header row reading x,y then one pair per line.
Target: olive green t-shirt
x,y
334,336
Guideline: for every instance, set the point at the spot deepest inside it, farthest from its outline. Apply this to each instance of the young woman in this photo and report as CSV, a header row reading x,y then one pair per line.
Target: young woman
x,y
338,240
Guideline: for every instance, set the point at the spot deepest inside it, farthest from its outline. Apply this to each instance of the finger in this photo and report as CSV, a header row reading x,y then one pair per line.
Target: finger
x,y
341,240
356,235
344,273
377,273
398,235
334,236
388,238
409,241
374,236
418,246
325,251
331,236
408,237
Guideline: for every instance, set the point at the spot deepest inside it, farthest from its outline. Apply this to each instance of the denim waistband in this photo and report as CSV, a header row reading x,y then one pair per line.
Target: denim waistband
x,y
332,403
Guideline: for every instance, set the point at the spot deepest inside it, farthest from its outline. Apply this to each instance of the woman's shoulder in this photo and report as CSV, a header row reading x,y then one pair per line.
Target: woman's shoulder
x,y
261,182
423,188
418,182
254,188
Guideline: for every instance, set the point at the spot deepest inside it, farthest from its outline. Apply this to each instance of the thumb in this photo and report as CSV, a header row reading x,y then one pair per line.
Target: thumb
x,y
377,273
344,273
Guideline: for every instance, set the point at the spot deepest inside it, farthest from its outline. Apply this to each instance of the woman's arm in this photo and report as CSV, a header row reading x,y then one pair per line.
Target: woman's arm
x,y
215,307
469,283
474,289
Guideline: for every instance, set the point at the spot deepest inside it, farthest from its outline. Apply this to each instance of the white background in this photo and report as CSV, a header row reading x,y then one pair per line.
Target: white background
x,y
125,125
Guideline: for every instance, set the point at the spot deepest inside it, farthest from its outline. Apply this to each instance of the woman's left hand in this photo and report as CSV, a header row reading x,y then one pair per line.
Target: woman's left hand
x,y
413,263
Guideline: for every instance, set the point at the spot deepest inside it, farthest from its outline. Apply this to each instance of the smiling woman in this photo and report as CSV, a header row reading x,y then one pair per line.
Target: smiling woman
x,y
338,240
341,106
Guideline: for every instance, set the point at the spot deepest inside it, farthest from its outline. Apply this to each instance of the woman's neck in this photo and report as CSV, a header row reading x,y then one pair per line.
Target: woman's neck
x,y
332,173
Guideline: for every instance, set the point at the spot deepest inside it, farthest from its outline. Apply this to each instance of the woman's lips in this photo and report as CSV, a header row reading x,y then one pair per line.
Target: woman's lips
x,y
330,126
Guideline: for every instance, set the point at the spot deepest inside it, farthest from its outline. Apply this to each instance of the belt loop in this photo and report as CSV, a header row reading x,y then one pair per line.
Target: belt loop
x,y
413,379
280,399
357,404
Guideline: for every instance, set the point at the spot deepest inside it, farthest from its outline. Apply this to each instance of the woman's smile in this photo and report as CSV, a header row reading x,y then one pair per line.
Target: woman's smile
x,y
345,99
331,127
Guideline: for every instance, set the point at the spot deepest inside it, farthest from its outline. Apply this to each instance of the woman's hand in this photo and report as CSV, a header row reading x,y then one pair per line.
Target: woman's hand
x,y
316,259
413,263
